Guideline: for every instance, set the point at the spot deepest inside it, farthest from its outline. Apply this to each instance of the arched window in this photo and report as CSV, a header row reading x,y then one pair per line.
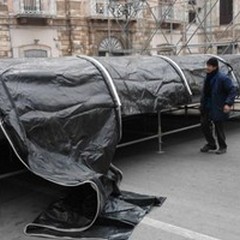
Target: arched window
x,y
35,53
112,46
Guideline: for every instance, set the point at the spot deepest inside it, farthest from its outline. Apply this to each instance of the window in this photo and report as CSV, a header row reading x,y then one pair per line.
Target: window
x,y
35,53
166,49
100,8
3,2
192,17
165,1
112,46
192,2
32,5
226,11
226,49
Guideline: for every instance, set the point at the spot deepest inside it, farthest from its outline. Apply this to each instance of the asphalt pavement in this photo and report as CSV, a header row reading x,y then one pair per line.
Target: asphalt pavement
x,y
202,190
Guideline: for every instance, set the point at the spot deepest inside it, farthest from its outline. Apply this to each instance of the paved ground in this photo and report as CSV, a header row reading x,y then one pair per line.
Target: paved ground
x,y
202,190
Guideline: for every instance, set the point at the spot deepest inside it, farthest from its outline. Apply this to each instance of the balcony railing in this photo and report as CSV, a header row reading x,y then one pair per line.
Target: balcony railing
x,y
35,8
99,8
103,9
169,13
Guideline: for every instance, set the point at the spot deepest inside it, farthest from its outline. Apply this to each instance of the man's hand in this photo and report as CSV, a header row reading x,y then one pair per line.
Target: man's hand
x,y
227,108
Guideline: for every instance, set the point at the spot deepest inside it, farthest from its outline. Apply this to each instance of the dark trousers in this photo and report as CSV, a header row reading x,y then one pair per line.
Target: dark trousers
x,y
207,128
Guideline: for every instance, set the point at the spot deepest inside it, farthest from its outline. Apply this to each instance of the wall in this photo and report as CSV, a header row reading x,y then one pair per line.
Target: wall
x,y
34,37
73,30
5,39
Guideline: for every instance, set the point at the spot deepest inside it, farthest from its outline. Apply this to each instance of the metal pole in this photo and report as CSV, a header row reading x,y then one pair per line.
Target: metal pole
x,y
69,27
186,110
158,25
37,6
196,30
109,28
205,25
111,85
12,174
22,6
232,25
185,28
127,24
160,133
179,71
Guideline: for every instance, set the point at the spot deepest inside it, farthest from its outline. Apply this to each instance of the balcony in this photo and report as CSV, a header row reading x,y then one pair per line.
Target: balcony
x,y
98,9
35,8
168,14
101,9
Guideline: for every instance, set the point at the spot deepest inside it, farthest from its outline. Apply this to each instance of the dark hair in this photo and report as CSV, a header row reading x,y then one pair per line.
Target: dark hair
x,y
213,62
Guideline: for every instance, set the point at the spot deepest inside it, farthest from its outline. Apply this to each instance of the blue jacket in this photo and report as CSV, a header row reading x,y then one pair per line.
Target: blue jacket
x,y
222,92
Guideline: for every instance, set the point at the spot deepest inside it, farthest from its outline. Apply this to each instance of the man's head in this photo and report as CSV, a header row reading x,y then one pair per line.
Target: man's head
x,y
212,65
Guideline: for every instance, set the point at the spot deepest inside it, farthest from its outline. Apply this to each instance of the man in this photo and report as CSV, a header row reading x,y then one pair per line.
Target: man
x,y
217,100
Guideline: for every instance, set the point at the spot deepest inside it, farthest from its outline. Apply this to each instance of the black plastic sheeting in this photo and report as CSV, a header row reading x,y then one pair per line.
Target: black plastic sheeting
x,y
194,66
151,84
146,84
61,110
63,120
120,214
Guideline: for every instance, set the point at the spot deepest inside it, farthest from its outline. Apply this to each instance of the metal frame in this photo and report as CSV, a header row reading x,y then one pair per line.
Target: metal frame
x,y
12,174
189,29
199,26
158,25
230,69
193,106
178,70
161,134
111,85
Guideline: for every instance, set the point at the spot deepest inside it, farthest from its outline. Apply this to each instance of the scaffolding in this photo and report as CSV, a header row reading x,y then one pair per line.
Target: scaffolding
x,y
177,27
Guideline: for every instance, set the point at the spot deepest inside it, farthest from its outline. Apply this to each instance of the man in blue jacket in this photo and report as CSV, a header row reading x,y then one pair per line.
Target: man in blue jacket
x,y
217,100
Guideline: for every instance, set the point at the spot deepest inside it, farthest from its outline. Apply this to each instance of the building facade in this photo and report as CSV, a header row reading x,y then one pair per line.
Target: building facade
x,y
197,26
54,28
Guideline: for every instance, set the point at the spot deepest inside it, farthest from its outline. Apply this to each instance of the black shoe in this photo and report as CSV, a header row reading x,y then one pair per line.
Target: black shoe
x,y
221,151
208,148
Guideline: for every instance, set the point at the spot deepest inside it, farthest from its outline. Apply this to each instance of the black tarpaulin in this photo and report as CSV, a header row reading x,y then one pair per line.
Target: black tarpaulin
x,y
62,122
146,84
47,108
193,67
63,119
120,214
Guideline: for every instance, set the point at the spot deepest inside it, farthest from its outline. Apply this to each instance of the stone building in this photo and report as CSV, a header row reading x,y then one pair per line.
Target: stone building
x,y
198,26
54,28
